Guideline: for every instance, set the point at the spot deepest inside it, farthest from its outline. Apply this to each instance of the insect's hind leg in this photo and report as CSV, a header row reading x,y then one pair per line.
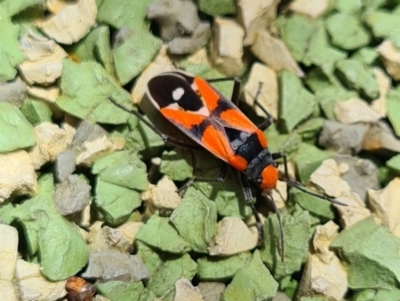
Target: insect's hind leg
x,y
219,179
249,201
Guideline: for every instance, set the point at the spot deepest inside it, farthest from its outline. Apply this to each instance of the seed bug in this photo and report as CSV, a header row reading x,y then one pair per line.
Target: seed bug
x,y
215,123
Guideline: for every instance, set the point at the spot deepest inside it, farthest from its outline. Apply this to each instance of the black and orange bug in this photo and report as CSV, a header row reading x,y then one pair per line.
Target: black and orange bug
x,y
215,123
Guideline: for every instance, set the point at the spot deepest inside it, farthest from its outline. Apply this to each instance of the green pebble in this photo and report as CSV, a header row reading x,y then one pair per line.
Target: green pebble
x,y
297,232
149,256
36,111
310,128
10,51
394,164
228,195
296,31
122,291
130,59
122,168
366,55
116,202
177,164
348,6
217,8
316,206
356,76
87,88
144,140
162,283
382,24
297,104
393,109
62,248
252,282
195,218
284,143
288,286
346,31
16,131
327,88
221,269
308,158
124,13
95,46
307,41
377,295
371,255
159,233
6,210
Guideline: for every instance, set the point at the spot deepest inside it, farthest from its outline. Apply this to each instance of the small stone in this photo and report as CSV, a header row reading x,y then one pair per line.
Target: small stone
x,y
49,94
343,138
354,110
64,164
91,142
323,237
226,47
185,291
255,14
79,290
328,178
59,26
390,56
13,92
346,31
51,140
326,279
380,138
266,78
274,53
44,59
384,203
110,265
360,174
356,75
164,195
8,252
174,17
17,175
33,285
313,8
189,45
211,291
72,195
232,237
384,83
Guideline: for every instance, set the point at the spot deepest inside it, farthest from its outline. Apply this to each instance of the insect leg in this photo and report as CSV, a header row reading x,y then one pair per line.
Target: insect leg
x,y
281,233
221,177
249,200
167,139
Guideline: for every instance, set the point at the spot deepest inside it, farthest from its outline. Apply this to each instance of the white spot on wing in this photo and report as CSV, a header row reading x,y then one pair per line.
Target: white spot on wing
x,y
178,93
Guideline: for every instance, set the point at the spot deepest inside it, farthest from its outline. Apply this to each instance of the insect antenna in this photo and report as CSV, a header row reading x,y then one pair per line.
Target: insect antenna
x,y
300,186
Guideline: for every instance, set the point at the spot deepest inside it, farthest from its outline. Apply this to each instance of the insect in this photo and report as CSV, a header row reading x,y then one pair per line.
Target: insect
x,y
215,123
